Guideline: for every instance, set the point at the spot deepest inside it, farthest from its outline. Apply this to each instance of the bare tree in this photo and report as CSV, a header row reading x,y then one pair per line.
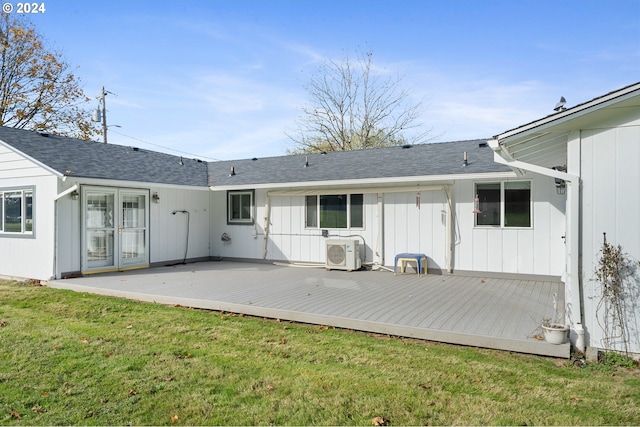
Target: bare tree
x,y
351,107
37,89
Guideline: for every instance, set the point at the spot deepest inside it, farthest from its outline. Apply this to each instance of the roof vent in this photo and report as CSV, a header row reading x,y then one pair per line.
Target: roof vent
x,y
46,135
233,171
483,144
254,159
407,146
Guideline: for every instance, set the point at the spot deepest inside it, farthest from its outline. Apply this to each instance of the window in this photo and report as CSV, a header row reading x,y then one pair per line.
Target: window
x,y
240,207
335,211
16,211
506,204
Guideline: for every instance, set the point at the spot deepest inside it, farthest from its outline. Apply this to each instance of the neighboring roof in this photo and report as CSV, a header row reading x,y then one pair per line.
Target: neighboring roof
x,y
89,159
420,160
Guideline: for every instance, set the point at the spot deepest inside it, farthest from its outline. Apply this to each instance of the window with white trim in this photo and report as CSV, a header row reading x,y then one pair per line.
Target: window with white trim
x,y
504,204
334,211
16,211
240,207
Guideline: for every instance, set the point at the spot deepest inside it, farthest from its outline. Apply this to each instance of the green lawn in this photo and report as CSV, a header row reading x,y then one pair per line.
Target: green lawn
x,y
77,359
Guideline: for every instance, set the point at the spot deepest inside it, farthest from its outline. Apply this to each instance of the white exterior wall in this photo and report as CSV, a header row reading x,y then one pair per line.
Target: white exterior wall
x,y
538,250
416,225
288,238
29,256
409,225
167,232
611,205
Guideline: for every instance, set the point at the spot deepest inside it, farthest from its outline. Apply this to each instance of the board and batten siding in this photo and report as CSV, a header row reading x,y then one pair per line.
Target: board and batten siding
x,y
288,238
29,256
416,222
611,205
169,236
538,250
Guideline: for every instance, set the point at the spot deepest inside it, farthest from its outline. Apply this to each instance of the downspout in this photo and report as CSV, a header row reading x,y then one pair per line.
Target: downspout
x,y
380,243
69,190
450,231
572,232
267,220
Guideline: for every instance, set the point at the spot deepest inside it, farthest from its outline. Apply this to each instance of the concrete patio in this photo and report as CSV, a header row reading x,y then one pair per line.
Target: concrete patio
x,y
496,313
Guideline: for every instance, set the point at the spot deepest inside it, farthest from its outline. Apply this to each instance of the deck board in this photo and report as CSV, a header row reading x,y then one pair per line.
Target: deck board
x,y
477,311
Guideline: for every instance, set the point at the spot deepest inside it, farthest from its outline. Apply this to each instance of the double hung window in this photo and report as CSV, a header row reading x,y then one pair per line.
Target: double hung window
x,y
335,211
504,204
16,211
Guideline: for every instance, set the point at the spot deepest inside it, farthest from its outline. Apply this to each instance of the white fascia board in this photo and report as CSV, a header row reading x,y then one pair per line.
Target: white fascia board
x,y
31,159
572,113
368,183
133,184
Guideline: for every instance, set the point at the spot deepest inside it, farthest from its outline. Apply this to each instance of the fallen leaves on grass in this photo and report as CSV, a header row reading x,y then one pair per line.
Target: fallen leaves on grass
x,y
174,419
15,415
380,421
3,323
37,410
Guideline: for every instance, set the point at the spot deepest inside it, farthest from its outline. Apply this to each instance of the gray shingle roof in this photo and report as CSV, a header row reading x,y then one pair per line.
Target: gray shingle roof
x,y
418,160
89,159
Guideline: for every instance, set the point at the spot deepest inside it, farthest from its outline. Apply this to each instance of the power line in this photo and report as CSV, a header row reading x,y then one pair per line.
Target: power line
x,y
163,147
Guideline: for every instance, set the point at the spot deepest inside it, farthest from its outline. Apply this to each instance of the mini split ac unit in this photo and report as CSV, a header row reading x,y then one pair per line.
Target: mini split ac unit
x,y
343,255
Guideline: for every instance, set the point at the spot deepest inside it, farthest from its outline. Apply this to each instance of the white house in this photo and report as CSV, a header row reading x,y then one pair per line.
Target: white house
x,y
593,150
72,207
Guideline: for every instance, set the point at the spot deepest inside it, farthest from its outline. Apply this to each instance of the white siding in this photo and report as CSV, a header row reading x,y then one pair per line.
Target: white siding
x,y
29,256
168,232
416,225
611,205
538,250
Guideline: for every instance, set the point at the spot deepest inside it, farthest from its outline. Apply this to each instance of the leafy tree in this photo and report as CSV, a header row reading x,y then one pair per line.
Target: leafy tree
x,y
37,90
351,106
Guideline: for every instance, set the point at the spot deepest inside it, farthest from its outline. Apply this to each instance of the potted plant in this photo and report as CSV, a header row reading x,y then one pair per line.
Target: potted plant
x,y
555,330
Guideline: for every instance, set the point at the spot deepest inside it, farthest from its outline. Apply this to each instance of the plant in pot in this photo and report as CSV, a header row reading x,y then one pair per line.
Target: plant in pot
x,y
555,330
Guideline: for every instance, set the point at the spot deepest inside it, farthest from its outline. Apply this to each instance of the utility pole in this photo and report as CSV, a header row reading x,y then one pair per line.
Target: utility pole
x,y
102,115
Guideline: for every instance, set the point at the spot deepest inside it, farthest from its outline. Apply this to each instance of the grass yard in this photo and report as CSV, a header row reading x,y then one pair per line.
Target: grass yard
x,y
78,359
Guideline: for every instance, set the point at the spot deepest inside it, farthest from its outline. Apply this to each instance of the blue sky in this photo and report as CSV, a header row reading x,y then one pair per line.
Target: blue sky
x,y
224,79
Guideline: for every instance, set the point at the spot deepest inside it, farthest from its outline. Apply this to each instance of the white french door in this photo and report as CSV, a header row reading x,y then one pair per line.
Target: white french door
x,y
115,229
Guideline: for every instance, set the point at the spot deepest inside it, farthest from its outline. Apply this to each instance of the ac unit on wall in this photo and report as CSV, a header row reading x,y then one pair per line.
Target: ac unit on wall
x,y
343,255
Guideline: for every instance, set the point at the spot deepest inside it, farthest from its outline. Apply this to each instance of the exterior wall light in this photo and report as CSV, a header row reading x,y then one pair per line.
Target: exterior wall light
x,y
75,195
155,198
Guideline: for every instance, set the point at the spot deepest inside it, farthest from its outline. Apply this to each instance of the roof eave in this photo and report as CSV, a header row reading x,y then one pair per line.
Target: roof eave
x,y
381,182
572,113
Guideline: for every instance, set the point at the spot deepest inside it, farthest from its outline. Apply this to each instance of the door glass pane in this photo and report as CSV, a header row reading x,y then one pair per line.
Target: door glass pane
x,y
99,211
100,247
133,211
132,244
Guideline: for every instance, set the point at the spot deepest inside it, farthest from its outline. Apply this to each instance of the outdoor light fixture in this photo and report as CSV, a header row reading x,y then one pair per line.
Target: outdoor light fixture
x,y
75,195
155,198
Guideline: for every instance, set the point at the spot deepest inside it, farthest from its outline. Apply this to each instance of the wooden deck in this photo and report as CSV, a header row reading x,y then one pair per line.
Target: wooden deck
x,y
484,312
